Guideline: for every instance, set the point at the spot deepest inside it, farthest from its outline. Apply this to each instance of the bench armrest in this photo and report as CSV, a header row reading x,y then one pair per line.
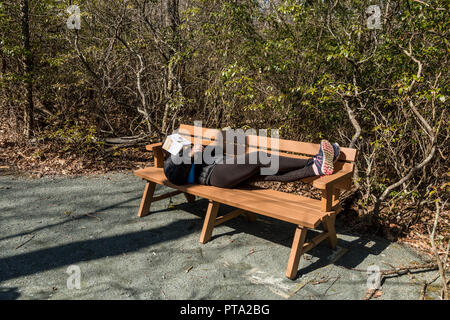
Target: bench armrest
x,y
152,146
158,153
330,186
325,182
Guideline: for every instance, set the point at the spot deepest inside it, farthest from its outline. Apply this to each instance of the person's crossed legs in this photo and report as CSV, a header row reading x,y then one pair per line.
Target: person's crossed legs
x,y
234,170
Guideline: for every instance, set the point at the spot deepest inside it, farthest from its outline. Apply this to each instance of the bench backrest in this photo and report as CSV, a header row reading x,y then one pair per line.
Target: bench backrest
x,y
249,143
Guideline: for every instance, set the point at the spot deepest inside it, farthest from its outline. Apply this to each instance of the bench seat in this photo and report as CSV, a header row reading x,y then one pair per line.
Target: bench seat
x,y
276,204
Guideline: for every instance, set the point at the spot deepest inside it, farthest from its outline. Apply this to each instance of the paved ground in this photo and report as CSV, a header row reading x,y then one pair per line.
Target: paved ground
x,y
49,224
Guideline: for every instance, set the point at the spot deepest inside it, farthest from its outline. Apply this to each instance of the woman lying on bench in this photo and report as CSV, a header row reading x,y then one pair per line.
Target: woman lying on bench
x,y
229,174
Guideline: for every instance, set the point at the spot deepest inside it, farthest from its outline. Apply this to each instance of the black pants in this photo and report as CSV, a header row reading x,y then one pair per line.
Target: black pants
x,y
229,175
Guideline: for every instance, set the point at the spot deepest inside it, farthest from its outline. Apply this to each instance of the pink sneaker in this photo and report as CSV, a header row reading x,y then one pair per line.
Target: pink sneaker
x,y
323,161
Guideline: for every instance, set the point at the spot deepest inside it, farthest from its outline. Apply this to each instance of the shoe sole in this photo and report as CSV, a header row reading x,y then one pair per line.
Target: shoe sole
x,y
328,155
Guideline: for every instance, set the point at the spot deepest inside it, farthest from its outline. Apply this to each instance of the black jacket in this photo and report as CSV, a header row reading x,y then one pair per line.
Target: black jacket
x,y
178,173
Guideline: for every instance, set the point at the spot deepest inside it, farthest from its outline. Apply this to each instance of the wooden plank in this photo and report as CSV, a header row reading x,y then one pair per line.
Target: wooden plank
x,y
206,136
329,181
204,142
283,145
158,154
210,221
327,200
320,182
200,132
147,199
150,147
166,195
275,207
311,149
158,157
277,199
210,138
304,203
329,227
314,241
254,143
336,195
229,216
296,252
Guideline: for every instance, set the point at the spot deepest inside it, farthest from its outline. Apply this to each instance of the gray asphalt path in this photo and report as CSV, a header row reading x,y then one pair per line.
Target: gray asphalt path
x,y
53,227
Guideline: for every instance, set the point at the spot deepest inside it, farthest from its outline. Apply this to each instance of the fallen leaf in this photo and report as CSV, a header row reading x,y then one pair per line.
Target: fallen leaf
x,y
370,294
377,294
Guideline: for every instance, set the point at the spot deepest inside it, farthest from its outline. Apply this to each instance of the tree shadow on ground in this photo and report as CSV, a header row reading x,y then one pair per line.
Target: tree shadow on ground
x,y
282,233
9,293
80,251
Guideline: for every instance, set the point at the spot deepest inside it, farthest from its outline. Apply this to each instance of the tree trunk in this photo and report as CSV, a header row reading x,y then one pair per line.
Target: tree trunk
x,y
172,81
28,114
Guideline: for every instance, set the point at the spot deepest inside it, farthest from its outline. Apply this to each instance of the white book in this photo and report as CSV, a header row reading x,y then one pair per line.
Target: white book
x,y
174,143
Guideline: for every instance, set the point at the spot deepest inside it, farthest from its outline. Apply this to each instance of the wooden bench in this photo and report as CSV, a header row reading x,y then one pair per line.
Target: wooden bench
x,y
306,213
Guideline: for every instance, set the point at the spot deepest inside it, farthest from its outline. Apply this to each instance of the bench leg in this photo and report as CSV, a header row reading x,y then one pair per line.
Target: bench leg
x,y
251,217
296,252
189,197
147,198
328,226
210,221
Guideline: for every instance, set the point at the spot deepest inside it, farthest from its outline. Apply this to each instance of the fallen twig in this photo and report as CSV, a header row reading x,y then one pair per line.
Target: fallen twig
x,y
32,236
323,280
298,287
399,271
251,252
89,215
336,279
424,290
373,293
